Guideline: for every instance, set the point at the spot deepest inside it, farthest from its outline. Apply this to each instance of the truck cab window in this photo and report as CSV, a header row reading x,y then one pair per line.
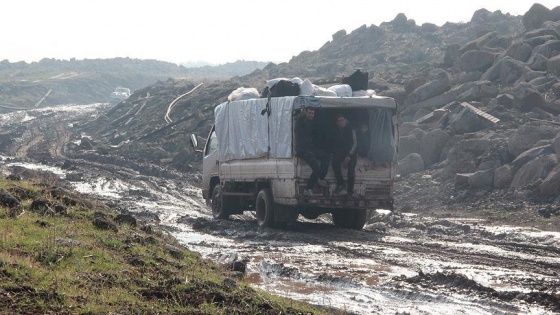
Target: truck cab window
x,y
212,144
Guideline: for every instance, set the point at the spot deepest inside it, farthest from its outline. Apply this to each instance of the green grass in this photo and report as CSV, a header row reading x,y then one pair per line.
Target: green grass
x,y
60,263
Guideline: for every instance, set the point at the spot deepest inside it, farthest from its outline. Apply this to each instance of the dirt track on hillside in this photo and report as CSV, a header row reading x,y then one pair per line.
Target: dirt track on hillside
x,y
407,262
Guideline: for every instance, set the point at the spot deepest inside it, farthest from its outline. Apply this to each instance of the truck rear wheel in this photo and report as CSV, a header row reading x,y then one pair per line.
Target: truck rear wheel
x,y
265,208
219,207
350,218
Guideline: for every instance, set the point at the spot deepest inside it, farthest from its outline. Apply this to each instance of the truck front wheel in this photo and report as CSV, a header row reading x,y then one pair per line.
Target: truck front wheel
x,y
219,209
265,208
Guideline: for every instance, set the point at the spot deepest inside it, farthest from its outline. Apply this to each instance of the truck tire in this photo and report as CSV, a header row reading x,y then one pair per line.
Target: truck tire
x,y
265,208
350,218
219,206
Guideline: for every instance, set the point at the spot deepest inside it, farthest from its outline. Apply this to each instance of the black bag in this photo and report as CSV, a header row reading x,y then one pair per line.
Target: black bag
x,y
284,88
357,80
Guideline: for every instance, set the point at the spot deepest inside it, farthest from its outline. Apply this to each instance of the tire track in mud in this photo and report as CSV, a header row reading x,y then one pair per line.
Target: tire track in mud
x,y
447,253
61,138
22,149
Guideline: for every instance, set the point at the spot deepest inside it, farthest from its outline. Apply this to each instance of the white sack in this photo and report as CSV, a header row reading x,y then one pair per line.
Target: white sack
x,y
343,90
306,88
363,93
297,80
321,91
243,94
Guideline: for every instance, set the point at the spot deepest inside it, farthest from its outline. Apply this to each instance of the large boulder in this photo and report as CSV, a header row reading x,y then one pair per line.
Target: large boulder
x,y
539,40
473,60
523,53
440,83
407,127
538,62
527,135
527,97
478,91
536,16
407,145
555,14
553,65
464,156
541,32
468,121
505,71
530,155
503,176
432,144
541,81
550,187
482,179
412,163
548,49
534,170
414,83
479,42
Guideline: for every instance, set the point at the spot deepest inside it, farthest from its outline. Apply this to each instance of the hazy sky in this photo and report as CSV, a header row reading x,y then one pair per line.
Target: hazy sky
x,y
216,31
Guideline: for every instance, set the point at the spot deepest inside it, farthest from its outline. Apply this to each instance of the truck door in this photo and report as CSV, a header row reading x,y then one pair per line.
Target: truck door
x,y
209,163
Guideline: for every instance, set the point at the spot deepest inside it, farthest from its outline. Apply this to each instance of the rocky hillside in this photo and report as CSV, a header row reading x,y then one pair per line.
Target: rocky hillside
x,y
479,101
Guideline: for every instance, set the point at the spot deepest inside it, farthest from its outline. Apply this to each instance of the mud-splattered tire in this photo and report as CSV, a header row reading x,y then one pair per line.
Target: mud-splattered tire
x,y
264,208
350,219
219,206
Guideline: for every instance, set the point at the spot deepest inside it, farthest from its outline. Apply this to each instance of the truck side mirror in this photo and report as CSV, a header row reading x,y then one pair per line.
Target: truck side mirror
x,y
194,143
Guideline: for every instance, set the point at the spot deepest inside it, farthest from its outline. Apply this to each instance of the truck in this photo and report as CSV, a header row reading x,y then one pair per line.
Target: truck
x,y
249,162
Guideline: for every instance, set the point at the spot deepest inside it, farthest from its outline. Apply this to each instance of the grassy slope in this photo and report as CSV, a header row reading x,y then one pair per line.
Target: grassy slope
x,y
54,260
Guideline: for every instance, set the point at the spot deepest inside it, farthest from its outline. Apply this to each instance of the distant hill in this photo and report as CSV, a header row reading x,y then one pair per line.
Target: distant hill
x,y
225,71
24,84
197,64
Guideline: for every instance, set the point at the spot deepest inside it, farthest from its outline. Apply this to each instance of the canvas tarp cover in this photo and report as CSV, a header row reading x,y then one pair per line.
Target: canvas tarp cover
x,y
382,149
244,133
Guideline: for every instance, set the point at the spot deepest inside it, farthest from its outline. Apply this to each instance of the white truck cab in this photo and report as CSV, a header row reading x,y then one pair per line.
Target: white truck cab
x,y
249,162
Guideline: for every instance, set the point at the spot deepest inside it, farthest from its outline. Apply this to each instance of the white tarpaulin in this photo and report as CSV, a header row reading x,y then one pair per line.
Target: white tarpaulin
x,y
244,132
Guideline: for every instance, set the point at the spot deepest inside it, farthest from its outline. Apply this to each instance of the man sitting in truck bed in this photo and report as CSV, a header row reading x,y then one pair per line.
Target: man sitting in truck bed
x,y
317,159
344,151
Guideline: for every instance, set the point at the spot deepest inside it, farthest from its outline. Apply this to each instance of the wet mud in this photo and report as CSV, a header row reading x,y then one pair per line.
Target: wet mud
x,y
403,262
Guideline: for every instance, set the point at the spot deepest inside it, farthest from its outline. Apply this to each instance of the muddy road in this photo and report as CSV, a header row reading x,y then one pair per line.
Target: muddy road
x,y
401,263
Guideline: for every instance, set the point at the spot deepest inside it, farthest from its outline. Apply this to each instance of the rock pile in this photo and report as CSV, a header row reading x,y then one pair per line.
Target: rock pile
x,y
488,118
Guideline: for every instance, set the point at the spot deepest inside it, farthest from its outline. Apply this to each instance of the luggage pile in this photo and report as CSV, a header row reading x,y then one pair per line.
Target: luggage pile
x,y
355,85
